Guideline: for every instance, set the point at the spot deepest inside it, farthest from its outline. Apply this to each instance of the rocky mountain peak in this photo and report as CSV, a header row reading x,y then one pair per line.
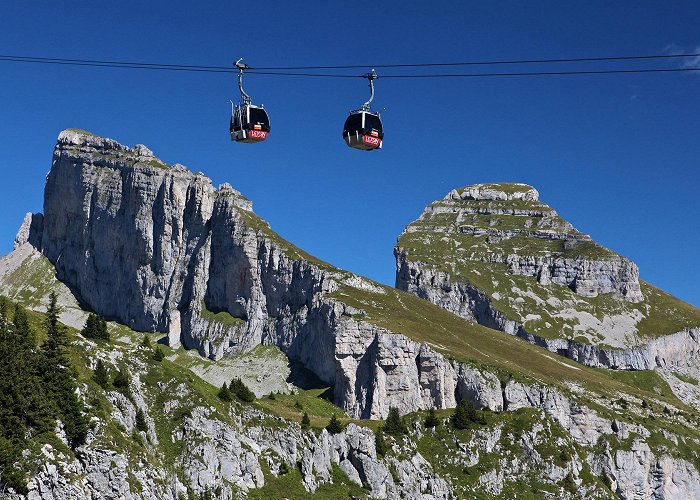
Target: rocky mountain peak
x,y
495,191
496,254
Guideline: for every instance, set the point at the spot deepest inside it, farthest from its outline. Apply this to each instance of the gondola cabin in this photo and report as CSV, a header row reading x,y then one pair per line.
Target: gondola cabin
x,y
363,130
249,123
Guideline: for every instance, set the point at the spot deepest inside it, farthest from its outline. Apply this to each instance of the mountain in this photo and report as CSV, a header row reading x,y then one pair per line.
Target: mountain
x,y
156,248
495,254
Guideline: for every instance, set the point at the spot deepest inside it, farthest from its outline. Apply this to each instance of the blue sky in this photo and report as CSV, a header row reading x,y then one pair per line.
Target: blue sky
x,y
617,155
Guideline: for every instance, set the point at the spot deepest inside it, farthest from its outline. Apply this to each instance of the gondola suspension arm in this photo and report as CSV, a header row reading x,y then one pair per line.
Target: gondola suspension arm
x,y
245,98
371,77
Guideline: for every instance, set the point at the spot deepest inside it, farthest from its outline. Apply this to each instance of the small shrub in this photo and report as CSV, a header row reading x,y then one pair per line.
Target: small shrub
x,y
305,421
122,380
101,375
224,393
158,354
394,424
334,426
431,420
141,421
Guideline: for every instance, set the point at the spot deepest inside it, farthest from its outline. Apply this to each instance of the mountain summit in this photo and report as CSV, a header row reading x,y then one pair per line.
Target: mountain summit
x,y
497,255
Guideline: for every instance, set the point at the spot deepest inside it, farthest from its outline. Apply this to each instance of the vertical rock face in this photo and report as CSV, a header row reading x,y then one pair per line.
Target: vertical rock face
x,y
495,254
122,228
160,249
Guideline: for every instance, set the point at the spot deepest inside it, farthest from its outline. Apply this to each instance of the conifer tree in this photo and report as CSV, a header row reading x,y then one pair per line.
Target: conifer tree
x,y
395,425
334,426
380,442
158,354
146,342
305,421
101,375
431,420
59,382
95,328
90,329
225,393
241,391
465,414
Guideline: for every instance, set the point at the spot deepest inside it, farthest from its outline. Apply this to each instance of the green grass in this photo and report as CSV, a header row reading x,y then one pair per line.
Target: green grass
x,y
311,401
81,131
646,380
221,317
686,378
290,486
33,280
506,187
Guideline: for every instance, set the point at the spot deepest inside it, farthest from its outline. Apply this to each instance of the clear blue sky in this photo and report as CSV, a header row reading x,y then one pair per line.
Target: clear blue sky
x,y
616,155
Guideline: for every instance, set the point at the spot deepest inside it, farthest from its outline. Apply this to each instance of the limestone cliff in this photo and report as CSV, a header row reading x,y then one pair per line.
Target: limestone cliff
x,y
159,249
495,254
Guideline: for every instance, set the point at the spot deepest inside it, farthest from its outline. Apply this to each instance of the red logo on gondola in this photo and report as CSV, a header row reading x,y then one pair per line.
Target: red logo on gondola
x,y
371,141
260,135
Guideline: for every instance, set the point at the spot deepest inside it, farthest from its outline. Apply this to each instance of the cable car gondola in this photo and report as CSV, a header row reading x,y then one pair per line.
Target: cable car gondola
x,y
363,128
249,123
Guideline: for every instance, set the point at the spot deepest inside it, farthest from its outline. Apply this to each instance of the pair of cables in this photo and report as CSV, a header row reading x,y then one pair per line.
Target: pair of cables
x,y
313,71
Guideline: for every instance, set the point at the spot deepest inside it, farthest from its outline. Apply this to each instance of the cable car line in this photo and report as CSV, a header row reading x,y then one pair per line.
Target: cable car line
x,y
215,69
483,63
463,75
50,60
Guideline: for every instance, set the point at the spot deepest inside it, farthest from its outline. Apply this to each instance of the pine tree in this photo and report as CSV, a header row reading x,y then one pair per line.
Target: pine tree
x,y
465,414
141,421
395,425
431,420
241,391
122,380
146,342
305,421
59,380
158,354
90,329
225,393
101,375
380,442
95,328
334,426
102,331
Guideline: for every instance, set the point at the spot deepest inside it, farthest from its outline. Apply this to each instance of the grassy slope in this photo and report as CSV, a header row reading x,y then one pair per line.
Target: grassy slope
x,y
465,341
454,253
